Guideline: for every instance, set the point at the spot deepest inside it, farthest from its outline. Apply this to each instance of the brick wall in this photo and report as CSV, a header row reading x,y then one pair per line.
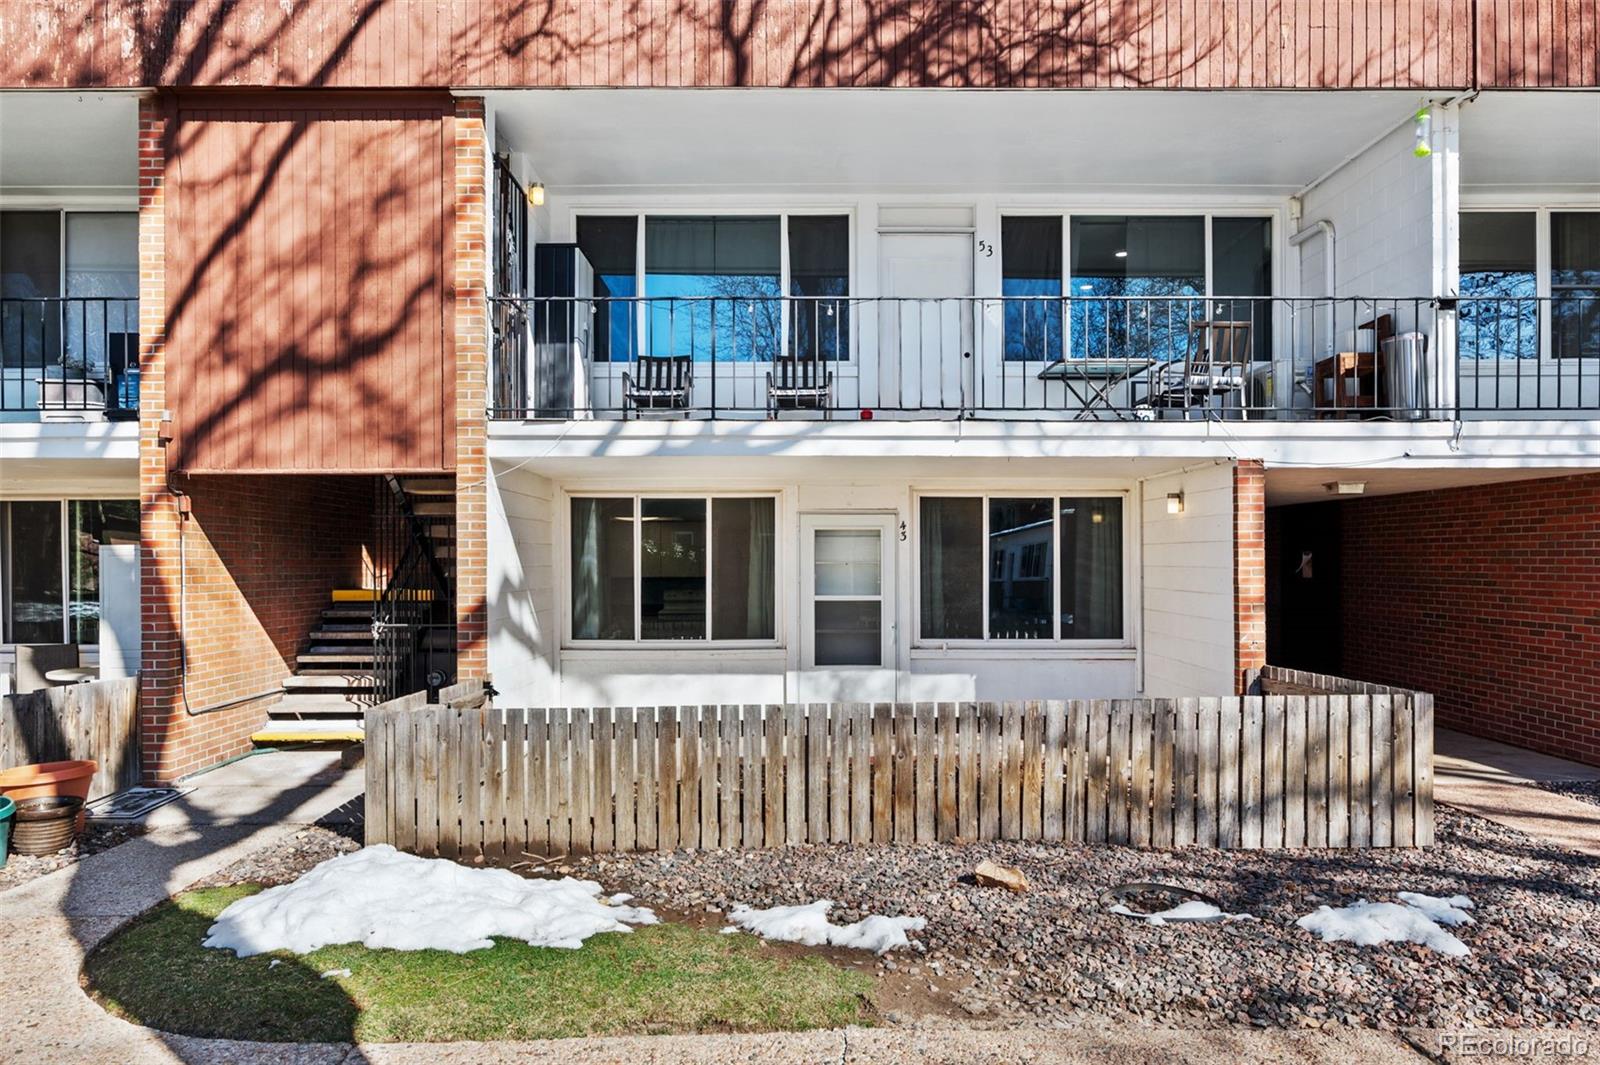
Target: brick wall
x,y
1489,597
258,559
1249,568
471,228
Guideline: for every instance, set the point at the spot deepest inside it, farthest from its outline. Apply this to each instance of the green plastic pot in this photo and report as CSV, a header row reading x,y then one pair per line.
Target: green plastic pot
x,y
7,809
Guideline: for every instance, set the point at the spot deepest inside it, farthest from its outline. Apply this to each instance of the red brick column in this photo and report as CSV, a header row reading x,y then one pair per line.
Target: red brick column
x,y
1249,569
470,266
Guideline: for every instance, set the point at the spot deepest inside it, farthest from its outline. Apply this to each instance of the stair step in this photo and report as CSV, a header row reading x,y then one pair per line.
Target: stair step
x,y
354,595
329,680
321,657
349,611
428,508
317,706
354,634
329,730
429,486
443,530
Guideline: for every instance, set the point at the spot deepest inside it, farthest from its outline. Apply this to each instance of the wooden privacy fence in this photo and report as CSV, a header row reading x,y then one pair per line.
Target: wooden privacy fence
x,y
99,720
1253,772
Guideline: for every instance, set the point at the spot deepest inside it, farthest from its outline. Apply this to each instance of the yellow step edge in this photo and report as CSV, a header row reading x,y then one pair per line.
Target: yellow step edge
x,y
309,736
354,595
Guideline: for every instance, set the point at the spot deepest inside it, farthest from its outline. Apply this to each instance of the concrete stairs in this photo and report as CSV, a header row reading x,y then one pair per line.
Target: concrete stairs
x,y
332,685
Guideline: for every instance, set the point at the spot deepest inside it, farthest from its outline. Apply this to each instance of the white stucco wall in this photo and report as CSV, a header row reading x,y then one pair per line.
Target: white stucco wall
x,y
1188,584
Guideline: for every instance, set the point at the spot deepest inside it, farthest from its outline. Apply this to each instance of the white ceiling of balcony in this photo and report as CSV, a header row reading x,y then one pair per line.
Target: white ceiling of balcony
x,y
953,140
58,143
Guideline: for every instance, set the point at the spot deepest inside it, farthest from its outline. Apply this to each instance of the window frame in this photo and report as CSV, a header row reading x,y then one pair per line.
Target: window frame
x,y
1543,270
782,214
64,517
1056,641
570,641
1207,216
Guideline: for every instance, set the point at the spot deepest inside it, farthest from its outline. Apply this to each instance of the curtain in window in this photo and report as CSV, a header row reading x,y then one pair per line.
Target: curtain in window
x,y
1575,284
952,560
1091,578
743,537
602,569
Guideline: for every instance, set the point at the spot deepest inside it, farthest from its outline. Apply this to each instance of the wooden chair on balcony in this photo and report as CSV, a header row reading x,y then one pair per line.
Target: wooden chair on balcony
x,y
799,383
658,382
1217,369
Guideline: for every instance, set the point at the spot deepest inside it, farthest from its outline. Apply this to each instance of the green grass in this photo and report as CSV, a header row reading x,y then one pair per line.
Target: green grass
x,y
662,978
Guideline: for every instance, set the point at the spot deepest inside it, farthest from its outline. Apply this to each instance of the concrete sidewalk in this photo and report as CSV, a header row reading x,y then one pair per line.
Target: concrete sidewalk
x,y
1494,781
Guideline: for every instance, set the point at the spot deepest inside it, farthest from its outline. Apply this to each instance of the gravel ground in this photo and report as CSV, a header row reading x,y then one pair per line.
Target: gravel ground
x,y
1052,953
1051,957
21,868
1582,790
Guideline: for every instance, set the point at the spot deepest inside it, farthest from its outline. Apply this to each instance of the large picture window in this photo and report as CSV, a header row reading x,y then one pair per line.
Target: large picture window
x,y
1131,285
713,286
1503,275
663,568
1020,568
51,560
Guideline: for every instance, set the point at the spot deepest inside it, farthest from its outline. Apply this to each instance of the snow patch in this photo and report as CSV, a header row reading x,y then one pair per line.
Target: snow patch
x,y
1450,911
331,973
380,897
809,925
1367,924
1193,910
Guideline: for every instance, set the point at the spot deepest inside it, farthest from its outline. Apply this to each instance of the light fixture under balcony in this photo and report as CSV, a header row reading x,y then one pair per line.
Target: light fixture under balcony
x,y
1345,488
1174,502
1121,254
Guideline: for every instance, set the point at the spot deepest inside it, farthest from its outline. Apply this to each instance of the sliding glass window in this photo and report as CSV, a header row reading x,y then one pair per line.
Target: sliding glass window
x,y
51,565
612,247
1031,280
1575,284
819,281
682,568
1020,568
713,284
1241,278
1499,316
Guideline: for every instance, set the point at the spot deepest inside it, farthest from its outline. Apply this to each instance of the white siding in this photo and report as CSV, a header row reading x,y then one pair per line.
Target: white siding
x,y
522,620
1188,584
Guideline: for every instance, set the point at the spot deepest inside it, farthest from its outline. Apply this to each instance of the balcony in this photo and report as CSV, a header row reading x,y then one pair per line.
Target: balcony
x,y
1133,358
69,359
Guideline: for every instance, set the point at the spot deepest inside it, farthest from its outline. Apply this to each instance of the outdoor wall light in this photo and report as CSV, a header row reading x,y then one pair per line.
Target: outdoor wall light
x,y
1174,502
536,194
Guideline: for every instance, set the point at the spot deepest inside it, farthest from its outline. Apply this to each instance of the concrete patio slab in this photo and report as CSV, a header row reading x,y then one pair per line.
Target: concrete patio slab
x,y
1495,781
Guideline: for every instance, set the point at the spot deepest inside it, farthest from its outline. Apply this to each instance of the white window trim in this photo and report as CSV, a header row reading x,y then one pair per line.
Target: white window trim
x,y
1066,215
1542,288
1057,642
569,642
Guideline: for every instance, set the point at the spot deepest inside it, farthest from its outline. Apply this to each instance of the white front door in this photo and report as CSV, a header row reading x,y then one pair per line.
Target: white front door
x,y
925,344
847,622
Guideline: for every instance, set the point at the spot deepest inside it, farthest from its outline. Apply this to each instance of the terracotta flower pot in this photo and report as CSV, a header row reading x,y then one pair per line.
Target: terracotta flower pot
x,y
50,778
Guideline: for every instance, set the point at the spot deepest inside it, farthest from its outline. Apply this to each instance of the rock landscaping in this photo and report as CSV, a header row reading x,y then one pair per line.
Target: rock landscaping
x,y
1054,954
21,868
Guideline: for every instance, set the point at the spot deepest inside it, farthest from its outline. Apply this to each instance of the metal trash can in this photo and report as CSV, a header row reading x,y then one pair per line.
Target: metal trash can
x,y
1408,375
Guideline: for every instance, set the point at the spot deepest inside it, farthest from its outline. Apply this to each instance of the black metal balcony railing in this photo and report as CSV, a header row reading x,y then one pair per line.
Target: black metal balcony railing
x,y
70,355
1132,357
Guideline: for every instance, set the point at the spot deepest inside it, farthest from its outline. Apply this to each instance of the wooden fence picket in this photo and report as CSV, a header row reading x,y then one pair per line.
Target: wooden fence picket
x,y
1330,763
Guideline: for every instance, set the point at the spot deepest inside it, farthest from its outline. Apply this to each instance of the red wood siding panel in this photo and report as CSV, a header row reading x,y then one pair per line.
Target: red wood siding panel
x,y
668,43
306,279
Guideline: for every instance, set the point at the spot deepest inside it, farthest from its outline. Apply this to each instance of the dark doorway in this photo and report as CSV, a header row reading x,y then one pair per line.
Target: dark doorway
x,y
1304,609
